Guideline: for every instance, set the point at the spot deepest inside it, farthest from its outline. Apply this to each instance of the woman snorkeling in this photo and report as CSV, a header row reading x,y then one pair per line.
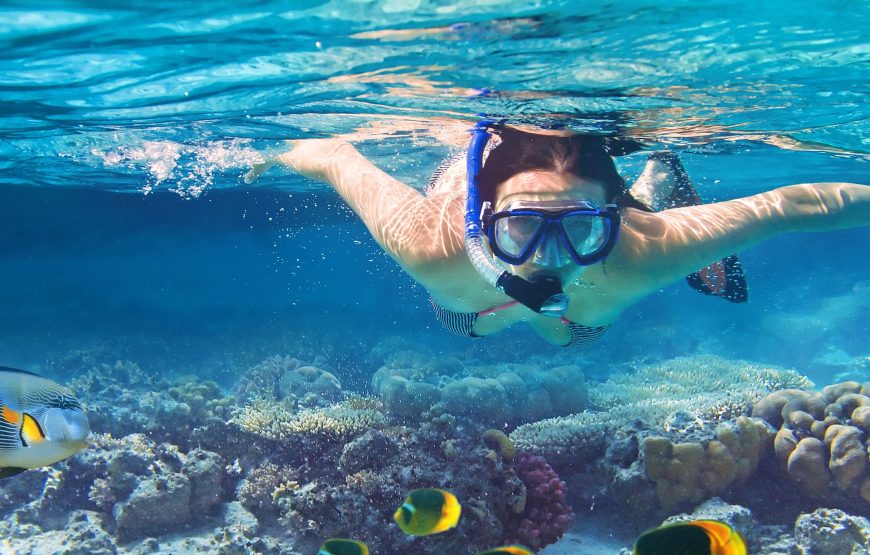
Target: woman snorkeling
x,y
538,227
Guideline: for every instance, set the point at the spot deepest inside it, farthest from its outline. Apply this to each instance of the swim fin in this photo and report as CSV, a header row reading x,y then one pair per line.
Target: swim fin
x,y
664,184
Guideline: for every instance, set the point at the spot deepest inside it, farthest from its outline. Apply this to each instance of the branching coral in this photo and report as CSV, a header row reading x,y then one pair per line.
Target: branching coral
x,y
565,438
713,388
279,422
546,515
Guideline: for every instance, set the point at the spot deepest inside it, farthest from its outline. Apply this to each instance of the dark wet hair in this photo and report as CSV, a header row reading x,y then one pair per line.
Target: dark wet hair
x,y
586,156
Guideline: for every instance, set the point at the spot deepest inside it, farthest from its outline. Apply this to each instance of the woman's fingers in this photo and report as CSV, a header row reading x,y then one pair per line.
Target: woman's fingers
x,y
270,160
258,170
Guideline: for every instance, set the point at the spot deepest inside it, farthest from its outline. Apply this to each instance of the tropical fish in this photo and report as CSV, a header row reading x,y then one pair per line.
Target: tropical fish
x,y
508,550
41,422
428,511
340,546
695,537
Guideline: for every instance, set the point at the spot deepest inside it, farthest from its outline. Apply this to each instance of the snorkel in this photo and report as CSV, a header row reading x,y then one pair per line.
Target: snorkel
x,y
545,296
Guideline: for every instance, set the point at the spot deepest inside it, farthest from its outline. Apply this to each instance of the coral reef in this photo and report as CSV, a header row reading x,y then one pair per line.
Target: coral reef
x,y
367,484
123,399
261,381
292,458
822,439
666,435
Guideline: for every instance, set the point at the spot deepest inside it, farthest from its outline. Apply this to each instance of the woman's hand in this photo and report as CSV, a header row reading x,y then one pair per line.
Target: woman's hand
x,y
309,157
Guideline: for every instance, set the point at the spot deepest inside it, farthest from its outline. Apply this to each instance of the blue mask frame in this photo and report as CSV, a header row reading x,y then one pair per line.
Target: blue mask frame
x,y
553,221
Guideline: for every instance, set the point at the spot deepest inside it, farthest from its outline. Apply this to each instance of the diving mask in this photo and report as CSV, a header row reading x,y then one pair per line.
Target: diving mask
x,y
585,233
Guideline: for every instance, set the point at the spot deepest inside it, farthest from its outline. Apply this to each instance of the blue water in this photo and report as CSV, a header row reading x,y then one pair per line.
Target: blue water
x,y
124,132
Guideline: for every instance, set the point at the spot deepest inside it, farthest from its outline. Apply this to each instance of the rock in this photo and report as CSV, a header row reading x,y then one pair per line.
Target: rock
x,y
239,519
83,535
772,540
735,516
205,470
831,532
157,506
372,450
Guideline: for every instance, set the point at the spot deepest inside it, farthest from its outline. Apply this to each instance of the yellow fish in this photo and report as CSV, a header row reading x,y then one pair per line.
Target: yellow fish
x,y
339,546
41,422
508,550
428,511
695,537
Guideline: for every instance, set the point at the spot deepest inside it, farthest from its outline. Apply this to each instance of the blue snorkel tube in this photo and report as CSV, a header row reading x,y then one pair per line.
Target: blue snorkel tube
x,y
544,297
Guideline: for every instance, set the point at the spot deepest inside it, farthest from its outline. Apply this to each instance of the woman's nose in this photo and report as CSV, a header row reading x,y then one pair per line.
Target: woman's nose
x,y
549,252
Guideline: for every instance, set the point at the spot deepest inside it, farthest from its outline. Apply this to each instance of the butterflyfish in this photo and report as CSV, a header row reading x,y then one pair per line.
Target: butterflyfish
x,y
695,537
41,422
340,546
428,511
508,550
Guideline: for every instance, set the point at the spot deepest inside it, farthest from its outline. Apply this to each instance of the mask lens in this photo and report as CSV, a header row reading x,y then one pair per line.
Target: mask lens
x,y
587,234
514,234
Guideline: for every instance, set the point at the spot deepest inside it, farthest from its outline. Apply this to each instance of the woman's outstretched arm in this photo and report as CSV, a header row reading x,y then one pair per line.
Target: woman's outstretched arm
x,y
417,231
669,245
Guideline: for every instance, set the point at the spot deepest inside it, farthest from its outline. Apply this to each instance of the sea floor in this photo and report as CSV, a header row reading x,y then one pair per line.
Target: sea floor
x,y
591,534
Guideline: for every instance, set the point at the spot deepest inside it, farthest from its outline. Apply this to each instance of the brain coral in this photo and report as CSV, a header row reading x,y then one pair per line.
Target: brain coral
x,y
822,442
689,472
308,381
495,394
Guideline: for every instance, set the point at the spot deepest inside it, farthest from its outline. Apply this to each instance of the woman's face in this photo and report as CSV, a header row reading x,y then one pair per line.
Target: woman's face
x,y
551,258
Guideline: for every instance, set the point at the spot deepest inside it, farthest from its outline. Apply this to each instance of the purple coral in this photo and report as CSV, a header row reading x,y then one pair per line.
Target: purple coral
x,y
546,515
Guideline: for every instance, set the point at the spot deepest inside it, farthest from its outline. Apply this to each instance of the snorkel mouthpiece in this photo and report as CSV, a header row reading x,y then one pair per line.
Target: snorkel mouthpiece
x,y
544,295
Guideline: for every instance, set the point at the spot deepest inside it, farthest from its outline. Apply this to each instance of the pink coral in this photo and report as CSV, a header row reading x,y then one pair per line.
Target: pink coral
x,y
546,515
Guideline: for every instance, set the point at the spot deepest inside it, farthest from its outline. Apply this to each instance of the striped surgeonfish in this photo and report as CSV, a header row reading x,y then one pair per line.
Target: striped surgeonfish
x,y
41,422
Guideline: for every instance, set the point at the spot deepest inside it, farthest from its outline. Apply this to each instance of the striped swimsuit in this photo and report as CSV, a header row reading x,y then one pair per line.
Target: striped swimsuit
x,y
460,323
